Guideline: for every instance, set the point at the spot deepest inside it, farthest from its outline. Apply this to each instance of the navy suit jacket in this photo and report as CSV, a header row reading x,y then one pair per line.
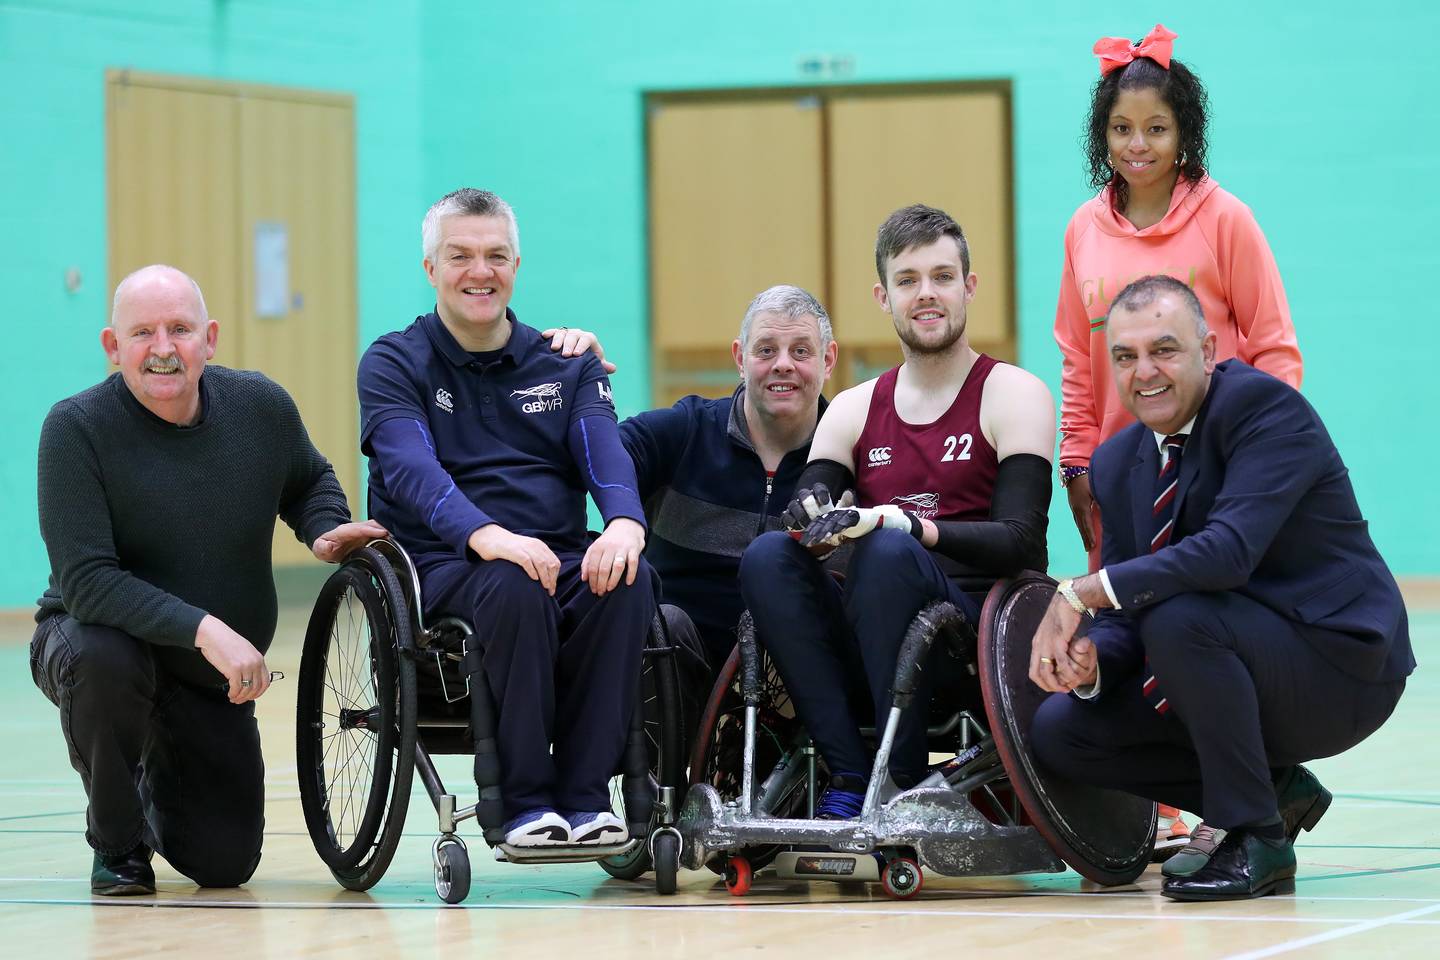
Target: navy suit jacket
x,y
1264,508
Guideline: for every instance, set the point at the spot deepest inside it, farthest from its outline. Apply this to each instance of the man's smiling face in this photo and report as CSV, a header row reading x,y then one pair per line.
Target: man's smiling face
x,y
1162,365
473,272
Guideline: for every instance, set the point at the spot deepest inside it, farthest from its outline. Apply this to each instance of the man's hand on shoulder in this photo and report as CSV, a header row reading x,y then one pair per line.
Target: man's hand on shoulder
x,y
335,545
614,552
235,657
494,542
572,342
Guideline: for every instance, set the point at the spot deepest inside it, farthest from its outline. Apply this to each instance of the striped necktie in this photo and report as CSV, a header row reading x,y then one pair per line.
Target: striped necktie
x,y
1165,485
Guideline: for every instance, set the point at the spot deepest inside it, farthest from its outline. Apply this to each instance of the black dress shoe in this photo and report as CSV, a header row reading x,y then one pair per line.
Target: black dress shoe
x,y
1243,867
1302,800
123,875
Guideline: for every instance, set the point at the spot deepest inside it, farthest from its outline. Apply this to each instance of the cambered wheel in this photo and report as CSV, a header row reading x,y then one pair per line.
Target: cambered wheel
x,y
667,862
355,726
738,876
452,870
902,878
720,745
660,714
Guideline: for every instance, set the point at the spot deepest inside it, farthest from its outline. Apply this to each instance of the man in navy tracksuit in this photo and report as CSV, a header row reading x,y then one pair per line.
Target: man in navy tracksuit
x,y
715,474
483,444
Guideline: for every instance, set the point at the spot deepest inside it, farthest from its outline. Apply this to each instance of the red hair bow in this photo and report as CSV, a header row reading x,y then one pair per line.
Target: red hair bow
x,y
1116,52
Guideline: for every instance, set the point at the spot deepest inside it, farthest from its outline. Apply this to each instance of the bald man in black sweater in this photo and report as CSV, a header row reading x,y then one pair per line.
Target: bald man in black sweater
x,y
158,493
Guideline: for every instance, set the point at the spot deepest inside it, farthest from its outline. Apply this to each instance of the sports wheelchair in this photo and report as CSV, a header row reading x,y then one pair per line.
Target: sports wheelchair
x,y
381,692
987,811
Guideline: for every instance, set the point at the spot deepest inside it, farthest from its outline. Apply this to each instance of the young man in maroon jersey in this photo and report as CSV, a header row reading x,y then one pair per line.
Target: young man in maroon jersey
x,y
948,459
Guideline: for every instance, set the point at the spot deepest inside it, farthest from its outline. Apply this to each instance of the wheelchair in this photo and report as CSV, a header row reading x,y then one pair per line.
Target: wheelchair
x,y
988,810
381,692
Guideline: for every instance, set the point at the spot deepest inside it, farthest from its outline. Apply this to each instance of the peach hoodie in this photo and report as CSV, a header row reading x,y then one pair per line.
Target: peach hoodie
x,y
1208,239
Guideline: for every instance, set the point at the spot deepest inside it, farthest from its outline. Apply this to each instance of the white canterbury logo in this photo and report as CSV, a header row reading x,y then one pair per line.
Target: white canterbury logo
x,y
606,393
879,456
543,397
444,401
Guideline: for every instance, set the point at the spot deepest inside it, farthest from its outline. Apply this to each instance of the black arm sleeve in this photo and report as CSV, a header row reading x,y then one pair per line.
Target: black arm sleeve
x,y
836,477
1013,539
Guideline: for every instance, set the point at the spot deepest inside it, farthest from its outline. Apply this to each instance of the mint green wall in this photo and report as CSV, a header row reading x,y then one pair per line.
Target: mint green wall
x,y
541,101
53,57
1322,124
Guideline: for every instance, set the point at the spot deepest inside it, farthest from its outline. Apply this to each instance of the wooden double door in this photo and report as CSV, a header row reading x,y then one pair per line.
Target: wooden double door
x,y
751,189
251,191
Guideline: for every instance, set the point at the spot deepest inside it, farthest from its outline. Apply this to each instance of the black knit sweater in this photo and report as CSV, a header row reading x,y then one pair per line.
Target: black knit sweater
x,y
150,526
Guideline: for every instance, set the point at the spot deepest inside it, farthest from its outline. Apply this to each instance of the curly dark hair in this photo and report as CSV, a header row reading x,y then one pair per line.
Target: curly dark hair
x,y
1182,92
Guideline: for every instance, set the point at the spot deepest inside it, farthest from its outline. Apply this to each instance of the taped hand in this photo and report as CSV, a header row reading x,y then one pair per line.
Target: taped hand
x,y
810,504
852,523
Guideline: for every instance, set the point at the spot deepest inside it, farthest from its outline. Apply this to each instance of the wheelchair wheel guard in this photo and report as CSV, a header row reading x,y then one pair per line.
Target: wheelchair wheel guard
x,y
1105,835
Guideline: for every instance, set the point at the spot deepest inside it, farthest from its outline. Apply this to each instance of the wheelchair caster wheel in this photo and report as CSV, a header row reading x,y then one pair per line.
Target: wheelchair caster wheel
x,y
902,878
738,876
667,861
452,870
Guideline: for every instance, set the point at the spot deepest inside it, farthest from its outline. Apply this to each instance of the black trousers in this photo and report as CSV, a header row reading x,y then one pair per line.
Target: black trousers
x,y
564,670
836,647
1249,696
171,764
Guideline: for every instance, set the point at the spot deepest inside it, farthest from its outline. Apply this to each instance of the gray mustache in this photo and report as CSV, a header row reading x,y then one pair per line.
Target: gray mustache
x,y
170,364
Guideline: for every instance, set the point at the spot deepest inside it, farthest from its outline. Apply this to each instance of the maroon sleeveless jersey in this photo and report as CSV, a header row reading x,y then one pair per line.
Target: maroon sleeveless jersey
x,y
941,471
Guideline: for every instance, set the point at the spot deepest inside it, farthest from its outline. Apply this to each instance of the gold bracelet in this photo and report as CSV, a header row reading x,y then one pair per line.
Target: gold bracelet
x,y
1066,589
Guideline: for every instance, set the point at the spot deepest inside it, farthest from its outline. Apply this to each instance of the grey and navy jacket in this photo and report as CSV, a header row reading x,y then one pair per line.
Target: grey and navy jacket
x,y
706,496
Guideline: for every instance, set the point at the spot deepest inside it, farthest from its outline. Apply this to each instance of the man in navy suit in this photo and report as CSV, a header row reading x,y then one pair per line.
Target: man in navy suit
x,y
1247,622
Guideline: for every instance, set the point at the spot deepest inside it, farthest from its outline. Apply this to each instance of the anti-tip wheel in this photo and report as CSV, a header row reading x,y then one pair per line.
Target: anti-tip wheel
x,y
902,878
738,876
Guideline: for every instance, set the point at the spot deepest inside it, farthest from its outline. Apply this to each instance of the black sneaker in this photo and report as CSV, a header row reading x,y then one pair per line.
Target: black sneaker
x,y
123,875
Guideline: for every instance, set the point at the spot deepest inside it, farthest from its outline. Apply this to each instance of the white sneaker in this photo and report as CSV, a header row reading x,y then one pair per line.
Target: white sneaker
x,y
541,827
597,827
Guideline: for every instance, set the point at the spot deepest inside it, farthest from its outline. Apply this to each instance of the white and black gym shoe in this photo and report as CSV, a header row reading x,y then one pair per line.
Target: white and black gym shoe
x,y
541,827
596,827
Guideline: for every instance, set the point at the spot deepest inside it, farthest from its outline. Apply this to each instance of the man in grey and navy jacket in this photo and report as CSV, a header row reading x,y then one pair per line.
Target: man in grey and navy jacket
x,y
716,473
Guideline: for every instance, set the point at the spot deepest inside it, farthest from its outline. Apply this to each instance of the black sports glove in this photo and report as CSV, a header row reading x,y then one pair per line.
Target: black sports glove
x,y
812,503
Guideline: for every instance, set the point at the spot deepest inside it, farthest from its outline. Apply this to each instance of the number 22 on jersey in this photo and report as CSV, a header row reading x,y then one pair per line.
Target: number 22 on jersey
x,y
957,448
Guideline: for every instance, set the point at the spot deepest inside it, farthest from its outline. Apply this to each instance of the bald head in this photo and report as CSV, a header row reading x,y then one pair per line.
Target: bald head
x,y
158,279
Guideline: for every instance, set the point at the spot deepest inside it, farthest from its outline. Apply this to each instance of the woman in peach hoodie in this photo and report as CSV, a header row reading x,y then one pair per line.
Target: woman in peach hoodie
x,y
1158,211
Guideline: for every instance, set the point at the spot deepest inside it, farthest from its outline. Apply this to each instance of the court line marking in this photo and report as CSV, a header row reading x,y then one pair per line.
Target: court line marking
x,y
1408,917
1356,924
977,894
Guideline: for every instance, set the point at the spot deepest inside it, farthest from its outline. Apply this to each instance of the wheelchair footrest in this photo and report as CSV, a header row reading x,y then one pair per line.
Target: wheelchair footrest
x,y
564,853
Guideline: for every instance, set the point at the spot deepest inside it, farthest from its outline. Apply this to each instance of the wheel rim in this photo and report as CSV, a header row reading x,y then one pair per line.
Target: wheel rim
x,y
348,731
353,714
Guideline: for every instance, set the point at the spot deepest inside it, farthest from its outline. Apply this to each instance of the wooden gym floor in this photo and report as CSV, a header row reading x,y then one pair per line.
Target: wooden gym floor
x,y
1369,881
